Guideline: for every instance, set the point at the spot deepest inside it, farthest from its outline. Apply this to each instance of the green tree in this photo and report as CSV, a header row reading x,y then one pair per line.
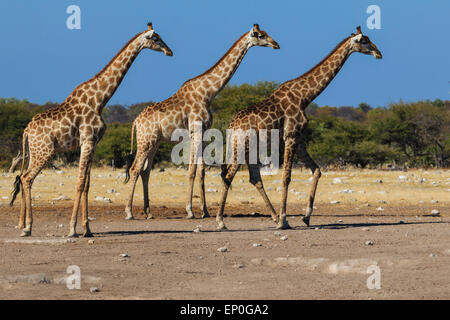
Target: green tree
x,y
234,98
14,116
114,146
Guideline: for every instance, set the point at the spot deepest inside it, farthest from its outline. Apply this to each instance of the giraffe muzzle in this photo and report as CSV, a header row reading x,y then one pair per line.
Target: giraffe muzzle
x,y
377,54
168,52
275,45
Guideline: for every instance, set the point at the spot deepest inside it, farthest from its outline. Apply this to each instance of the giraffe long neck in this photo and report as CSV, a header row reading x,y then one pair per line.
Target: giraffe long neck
x,y
214,79
97,91
320,76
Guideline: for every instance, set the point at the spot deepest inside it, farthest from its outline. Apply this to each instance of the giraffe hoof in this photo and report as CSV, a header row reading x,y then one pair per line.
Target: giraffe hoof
x,y
129,218
283,226
221,227
190,216
88,235
205,215
72,235
306,221
149,217
26,233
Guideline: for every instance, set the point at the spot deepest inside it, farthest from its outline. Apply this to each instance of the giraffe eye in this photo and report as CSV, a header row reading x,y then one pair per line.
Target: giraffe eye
x,y
154,38
261,36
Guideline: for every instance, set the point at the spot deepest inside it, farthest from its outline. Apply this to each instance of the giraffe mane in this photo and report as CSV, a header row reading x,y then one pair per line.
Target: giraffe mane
x,y
220,60
324,59
110,61
118,53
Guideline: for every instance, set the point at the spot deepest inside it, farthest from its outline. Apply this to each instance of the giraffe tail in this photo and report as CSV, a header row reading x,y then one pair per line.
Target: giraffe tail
x,y
18,182
130,156
132,137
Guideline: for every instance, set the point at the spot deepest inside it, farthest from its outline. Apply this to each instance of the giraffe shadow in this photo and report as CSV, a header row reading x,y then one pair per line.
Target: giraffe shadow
x,y
333,226
143,232
365,225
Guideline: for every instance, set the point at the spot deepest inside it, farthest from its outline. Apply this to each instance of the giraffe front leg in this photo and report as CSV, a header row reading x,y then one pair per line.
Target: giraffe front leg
x,y
205,213
287,168
310,163
84,205
192,172
86,152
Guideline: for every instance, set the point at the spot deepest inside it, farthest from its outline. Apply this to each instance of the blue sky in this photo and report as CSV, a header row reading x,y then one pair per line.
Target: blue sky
x,y
42,60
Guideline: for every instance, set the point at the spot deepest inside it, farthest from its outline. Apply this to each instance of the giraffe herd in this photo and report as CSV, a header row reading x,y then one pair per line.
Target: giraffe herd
x,y
77,123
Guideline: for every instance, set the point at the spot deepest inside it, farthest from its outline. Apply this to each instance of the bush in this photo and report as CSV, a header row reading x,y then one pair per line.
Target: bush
x,y
416,133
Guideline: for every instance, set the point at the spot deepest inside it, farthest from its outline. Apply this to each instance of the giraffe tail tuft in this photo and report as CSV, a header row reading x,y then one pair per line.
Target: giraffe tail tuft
x,y
18,182
16,189
127,169
130,155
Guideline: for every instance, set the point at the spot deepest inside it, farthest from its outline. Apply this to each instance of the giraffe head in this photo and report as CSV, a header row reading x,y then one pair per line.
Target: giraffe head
x,y
152,40
362,43
261,38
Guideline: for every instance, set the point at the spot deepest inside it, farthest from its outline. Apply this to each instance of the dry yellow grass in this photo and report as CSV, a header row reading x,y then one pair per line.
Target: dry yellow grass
x,y
169,187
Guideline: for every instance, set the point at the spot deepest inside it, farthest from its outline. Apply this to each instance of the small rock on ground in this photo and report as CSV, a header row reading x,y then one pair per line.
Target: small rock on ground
x,y
435,213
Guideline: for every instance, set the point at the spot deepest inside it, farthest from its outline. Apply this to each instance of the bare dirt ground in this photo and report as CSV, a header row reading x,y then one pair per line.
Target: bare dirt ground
x,y
167,260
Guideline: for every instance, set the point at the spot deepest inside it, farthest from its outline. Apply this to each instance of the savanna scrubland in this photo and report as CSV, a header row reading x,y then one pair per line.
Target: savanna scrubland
x,y
383,200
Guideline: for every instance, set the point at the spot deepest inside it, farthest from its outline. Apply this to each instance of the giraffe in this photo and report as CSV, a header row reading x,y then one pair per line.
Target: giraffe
x,y
285,110
77,122
189,105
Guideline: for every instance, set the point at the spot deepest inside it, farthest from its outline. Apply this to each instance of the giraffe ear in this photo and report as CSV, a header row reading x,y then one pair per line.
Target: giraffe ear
x,y
358,28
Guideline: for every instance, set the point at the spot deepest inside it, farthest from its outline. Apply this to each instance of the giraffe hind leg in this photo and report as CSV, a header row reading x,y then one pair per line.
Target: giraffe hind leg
x,y
22,210
255,179
141,156
35,166
311,164
205,213
134,175
228,174
145,175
